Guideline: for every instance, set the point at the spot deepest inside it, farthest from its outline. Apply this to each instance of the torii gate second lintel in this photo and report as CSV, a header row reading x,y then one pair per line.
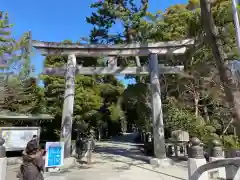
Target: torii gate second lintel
x,y
152,50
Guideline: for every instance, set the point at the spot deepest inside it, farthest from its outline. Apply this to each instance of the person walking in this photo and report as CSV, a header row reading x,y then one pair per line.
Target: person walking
x,y
79,146
33,163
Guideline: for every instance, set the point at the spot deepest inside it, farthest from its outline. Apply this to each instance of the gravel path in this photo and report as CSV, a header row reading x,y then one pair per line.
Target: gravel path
x,y
116,160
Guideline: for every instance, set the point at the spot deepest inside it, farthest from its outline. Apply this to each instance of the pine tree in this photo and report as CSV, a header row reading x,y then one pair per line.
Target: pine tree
x,y
18,90
6,41
109,12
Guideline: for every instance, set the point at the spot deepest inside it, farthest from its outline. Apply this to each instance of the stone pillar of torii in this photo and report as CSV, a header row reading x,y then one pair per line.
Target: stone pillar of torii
x,y
154,51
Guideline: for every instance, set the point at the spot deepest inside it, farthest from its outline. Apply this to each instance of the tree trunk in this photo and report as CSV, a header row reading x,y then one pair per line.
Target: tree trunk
x,y
218,54
196,100
205,111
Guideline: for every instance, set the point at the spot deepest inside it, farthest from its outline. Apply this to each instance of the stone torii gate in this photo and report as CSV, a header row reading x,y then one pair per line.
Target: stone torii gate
x,y
152,50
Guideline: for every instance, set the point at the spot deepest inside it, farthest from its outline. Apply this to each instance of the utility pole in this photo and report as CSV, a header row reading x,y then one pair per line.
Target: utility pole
x,y
236,23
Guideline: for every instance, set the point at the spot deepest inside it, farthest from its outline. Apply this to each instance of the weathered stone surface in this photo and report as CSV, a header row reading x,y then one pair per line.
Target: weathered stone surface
x,y
155,162
143,70
180,135
66,126
217,150
68,163
157,115
196,150
97,50
232,153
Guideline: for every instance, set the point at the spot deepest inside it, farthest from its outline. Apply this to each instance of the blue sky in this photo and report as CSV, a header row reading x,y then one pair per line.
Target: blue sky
x,y
52,20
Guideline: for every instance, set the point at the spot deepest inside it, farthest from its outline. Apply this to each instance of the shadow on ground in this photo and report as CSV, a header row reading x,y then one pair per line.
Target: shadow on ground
x,y
132,153
136,157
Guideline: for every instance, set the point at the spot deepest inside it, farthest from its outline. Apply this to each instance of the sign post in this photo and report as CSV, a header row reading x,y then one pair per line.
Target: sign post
x,y
54,156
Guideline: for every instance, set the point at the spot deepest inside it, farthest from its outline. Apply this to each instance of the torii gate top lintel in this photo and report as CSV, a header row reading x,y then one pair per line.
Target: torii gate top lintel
x,y
96,50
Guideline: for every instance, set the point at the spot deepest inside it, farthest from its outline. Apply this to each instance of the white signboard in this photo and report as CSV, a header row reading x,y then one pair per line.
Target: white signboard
x,y
55,154
16,138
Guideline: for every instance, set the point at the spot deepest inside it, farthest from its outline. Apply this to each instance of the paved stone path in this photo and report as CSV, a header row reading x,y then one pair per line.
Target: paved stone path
x,y
116,160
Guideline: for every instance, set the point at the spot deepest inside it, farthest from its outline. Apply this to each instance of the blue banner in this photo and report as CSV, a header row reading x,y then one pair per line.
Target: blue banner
x,y
55,154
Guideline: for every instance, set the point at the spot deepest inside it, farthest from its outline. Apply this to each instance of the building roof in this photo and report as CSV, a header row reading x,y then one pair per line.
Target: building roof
x,y
14,116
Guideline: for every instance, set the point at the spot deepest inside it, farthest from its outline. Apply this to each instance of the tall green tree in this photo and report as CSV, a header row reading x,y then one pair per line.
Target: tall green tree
x,y
124,12
198,92
91,93
130,16
19,92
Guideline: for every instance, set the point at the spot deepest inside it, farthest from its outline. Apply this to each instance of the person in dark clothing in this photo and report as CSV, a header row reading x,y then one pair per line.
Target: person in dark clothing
x,y
33,163
34,137
79,146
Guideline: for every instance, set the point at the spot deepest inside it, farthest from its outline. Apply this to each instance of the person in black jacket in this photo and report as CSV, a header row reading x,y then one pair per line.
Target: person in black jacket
x,y
33,163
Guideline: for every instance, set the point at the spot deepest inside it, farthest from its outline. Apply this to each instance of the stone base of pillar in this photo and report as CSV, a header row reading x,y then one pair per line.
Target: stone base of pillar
x,y
161,162
69,163
3,168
